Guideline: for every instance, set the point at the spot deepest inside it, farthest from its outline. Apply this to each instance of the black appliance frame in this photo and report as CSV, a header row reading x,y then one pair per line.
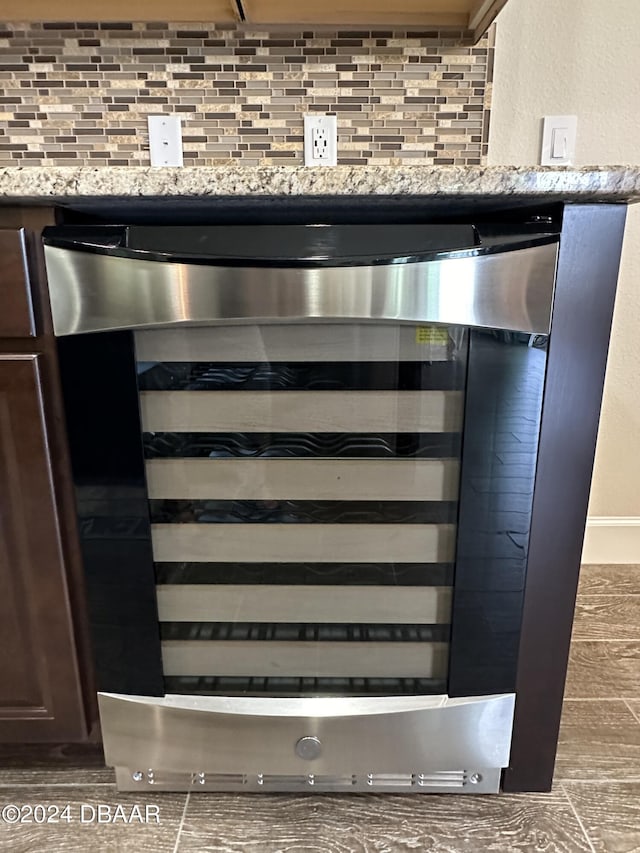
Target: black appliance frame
x,y
591,241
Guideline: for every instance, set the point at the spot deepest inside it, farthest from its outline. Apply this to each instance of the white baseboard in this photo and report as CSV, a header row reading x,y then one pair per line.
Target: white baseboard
x,y
612,540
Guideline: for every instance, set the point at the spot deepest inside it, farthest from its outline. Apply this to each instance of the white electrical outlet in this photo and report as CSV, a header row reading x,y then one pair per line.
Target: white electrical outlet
x,y
320,140
165,140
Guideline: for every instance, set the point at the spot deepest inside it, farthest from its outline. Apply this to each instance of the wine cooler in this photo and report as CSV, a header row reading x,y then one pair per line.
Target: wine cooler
x,y
305,461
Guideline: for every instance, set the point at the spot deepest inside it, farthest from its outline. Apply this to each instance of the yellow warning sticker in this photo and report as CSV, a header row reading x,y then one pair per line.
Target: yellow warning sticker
x,y
431,335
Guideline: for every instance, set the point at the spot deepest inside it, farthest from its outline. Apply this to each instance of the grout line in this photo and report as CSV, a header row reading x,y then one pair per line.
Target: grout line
x,y
575,640
601,699
585,598
593,699
624,698
626,702
38,784
577,817
184,814
600,780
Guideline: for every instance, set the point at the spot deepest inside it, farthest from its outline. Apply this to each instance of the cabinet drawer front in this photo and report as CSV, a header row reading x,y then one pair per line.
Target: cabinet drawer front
x,y
16,319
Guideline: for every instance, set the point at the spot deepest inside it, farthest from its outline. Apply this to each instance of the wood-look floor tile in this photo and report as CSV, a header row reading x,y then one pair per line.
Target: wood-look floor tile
x,y
604,670
609,580
598,740
53,764
78,837
610,814
607,617
383,823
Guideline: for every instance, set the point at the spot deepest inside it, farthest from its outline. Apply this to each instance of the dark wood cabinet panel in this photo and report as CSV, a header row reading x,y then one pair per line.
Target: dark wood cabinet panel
x,y
476,15
40,692
16,318
221,11
583,308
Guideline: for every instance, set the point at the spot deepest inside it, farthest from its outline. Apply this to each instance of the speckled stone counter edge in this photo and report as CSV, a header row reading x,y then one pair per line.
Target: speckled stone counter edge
x,y
33,184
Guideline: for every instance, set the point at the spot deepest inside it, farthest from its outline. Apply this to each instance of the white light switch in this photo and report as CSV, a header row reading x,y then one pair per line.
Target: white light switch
x,y
559,143
559,140
165,140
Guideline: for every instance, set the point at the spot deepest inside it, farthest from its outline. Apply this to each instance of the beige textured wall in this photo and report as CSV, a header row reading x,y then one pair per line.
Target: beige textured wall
x,y
582,57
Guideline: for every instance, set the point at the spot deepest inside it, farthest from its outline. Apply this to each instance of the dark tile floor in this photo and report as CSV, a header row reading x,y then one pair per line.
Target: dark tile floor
x,y
595,804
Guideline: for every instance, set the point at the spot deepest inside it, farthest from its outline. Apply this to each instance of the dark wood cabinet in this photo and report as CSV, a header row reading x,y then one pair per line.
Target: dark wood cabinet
x,y
16,318
475,15
39,679
44,677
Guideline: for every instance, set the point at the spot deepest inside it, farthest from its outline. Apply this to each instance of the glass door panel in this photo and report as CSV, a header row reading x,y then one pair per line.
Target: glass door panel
x,y
303,485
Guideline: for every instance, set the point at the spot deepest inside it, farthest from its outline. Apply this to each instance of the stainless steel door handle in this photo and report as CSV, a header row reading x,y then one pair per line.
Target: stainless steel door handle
x,y
510,290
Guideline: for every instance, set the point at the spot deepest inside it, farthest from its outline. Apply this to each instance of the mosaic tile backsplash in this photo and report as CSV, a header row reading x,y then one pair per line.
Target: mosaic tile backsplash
x,y
79,94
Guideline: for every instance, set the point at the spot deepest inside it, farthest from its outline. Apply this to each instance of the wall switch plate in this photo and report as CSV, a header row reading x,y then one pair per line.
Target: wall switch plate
x,y
320,140
559,140
165,140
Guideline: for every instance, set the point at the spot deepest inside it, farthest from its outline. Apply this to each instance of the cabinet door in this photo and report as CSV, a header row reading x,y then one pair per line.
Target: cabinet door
x,y
40,695
475,15
219,11
360,12
16,317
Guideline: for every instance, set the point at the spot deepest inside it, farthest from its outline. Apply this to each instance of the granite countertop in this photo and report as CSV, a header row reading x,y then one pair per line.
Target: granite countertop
x,y
589,183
